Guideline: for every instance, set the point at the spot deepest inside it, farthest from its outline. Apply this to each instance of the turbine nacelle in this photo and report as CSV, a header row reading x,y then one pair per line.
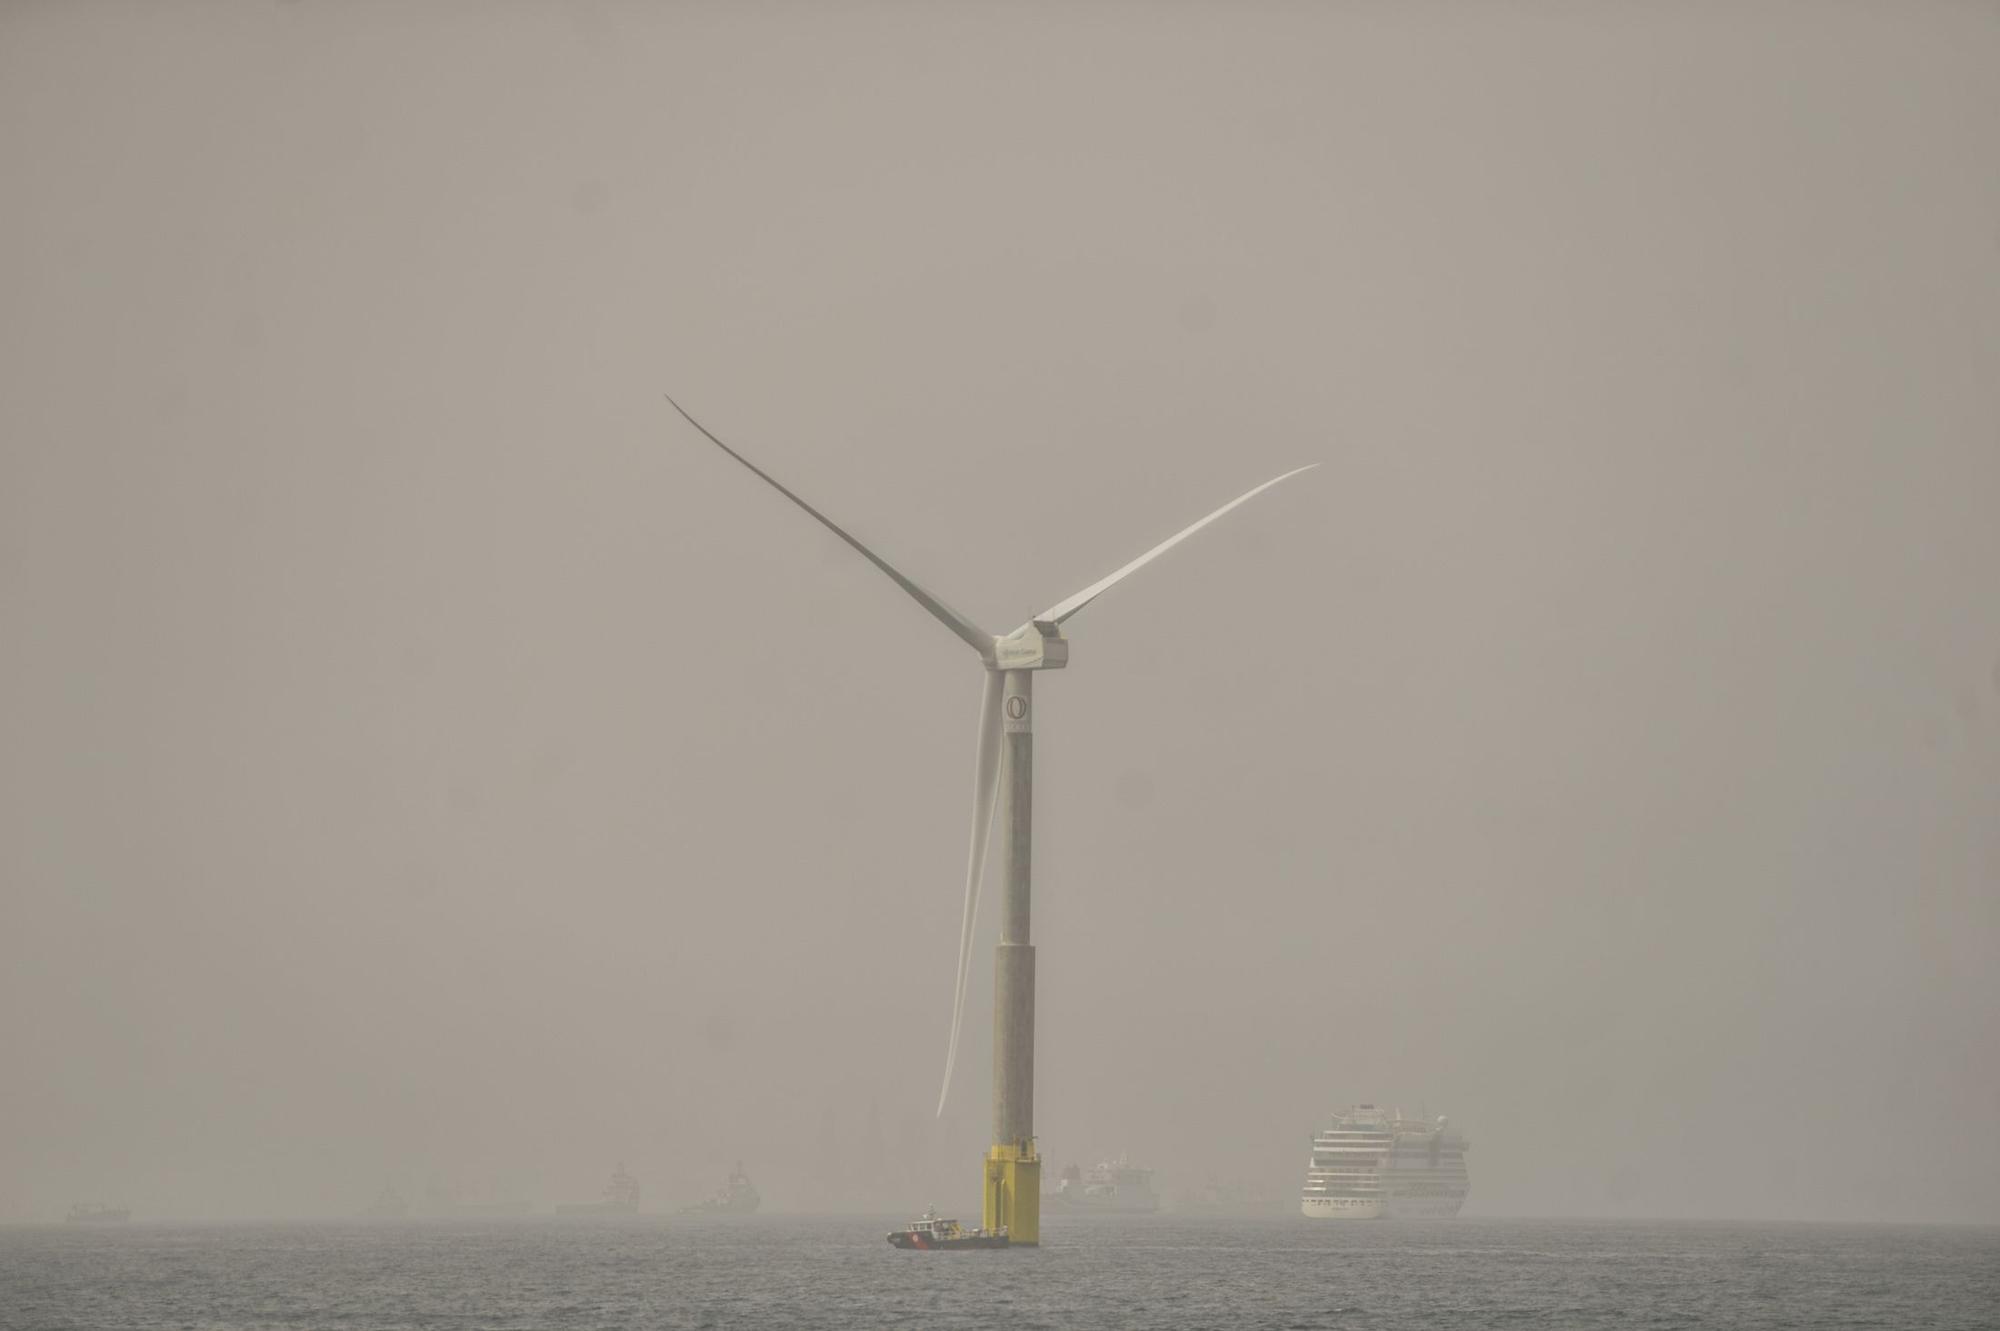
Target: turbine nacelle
x,y
1036,645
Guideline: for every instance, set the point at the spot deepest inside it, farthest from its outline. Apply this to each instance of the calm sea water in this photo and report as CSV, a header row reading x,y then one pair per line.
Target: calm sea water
x,y
547,1275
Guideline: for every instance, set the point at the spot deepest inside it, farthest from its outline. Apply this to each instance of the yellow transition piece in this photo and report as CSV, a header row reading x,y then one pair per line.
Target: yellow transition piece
x,y
1014,1193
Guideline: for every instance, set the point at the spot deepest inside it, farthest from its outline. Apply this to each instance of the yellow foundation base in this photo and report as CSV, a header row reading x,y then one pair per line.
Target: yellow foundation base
x,y
1014,1193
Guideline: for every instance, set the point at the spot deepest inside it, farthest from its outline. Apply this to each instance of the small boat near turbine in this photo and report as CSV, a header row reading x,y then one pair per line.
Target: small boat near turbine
x,y
934,1233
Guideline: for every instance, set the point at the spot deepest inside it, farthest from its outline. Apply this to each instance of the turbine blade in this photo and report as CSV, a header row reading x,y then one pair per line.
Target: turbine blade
x,y
985,791
979,640
1062,610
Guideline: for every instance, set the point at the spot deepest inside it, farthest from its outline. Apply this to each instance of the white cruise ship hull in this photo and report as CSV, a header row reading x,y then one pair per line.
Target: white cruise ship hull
x,y
1343,1208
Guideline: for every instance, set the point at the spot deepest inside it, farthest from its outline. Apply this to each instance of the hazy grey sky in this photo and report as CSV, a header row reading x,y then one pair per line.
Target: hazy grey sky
x,y
423,758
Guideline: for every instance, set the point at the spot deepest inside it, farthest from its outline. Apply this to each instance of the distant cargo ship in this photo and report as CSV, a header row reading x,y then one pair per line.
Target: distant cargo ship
x,y
91,1213
738,1197
1114,1185
1370,1164
621,1197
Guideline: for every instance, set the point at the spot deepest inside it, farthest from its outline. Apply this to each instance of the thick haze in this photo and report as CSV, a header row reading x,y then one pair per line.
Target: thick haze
x,y
424,759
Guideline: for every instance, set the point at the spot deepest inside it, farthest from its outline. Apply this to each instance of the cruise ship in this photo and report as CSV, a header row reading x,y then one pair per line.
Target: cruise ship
x,y
1371,1163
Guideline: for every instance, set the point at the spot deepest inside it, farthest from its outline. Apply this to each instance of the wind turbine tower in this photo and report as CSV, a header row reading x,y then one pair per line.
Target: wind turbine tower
x,y
1003,788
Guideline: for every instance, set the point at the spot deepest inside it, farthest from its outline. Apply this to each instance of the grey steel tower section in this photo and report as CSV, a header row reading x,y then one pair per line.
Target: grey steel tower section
x,y
1014,956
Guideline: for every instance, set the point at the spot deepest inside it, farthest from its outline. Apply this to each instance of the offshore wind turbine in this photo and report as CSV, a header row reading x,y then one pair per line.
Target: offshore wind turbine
x,y
1002,786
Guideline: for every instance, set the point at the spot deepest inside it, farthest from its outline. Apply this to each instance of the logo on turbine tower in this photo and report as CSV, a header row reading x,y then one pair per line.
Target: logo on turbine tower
x,y
1014,714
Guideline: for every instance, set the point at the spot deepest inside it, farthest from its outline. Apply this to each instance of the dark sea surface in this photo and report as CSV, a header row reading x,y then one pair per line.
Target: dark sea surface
x,y
1155,1271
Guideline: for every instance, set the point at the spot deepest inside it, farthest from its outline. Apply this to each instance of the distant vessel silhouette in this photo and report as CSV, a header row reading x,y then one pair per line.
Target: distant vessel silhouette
x,y
390,1205
738,1197
621,1197
1112,1185
95,1213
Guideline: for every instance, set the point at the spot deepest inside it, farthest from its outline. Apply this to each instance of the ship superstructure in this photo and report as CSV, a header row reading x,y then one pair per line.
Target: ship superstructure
x,y
1370,1163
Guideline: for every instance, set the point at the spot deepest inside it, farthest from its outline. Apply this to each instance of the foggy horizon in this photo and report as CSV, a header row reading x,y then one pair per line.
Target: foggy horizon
x,y
425,760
